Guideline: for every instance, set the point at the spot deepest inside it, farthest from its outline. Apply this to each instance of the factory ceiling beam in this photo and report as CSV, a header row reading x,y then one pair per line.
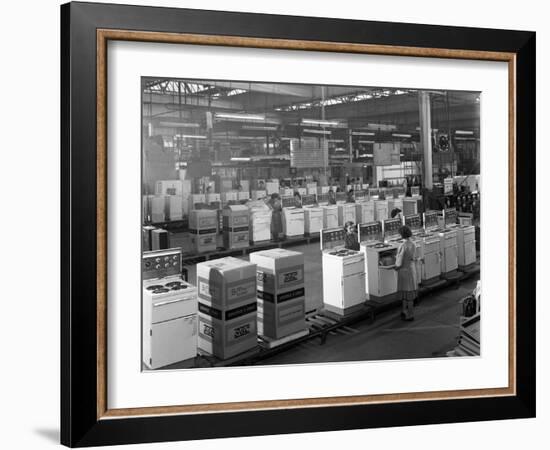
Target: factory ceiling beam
x,y
161,102
273,100
280,89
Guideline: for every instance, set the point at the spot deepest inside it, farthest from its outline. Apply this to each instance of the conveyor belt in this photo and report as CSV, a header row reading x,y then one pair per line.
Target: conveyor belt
x,y
321,325
189,259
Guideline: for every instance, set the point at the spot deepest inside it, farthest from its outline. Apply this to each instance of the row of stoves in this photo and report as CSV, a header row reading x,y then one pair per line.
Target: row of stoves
x,y
350,277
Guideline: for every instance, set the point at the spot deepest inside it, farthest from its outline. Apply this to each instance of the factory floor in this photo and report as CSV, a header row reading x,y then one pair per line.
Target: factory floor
x,y
433,332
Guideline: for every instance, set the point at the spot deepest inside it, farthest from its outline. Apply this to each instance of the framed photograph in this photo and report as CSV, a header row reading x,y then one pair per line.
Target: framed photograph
x,y
279,224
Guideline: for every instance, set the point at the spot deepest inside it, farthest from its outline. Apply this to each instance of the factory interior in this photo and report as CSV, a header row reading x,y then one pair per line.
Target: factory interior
x,y
293,223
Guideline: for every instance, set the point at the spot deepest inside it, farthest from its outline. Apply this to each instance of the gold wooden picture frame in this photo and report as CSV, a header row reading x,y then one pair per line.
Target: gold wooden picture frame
x,y
85,41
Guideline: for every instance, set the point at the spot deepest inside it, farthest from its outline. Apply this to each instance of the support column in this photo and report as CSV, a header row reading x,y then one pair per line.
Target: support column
x,y
426,137
350,147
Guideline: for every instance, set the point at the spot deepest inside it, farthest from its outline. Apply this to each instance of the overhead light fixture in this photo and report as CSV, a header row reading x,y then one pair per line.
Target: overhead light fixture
x,y
258,127
335,140
240,158
362,133
401,135
435,130
366,155
464,132
366,142
240,116
381,126
179,125
308,130
190,136
327,123
239,138
465,138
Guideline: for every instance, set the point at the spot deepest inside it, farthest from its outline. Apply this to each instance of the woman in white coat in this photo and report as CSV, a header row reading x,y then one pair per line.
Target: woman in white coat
x,y
406,273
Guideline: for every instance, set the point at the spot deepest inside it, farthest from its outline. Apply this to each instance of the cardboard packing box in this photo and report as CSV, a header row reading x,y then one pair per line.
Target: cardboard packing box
x,y
225,334
195,200
169,187
158,208
280,291
174,207
226,283
236,227
203,229
227,307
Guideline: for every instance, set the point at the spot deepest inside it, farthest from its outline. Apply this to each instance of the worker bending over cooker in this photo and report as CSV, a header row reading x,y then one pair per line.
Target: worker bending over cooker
x,y
351,242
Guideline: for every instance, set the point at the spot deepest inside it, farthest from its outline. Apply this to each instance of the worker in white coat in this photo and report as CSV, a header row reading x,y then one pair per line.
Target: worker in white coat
x,y
406,273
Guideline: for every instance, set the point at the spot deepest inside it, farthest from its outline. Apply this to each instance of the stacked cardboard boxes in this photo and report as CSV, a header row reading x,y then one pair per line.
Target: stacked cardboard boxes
x,y
146,208
146,237
313,220
227,307
158,208
364,212
346,213
213,200
203,228
159,239
174,207
280,292
236,226
196,201
260,221
169,187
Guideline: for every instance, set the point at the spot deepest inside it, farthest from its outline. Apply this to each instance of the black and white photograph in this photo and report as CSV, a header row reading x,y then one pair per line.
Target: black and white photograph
x,y
292,224
260,225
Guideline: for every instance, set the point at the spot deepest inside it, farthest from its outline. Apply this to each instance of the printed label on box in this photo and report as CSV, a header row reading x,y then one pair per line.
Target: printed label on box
x,y
246,329
209,333
293,276
290,295
240,220
238,238
291,314
241,290
208,221
208,290
212,312
241,311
